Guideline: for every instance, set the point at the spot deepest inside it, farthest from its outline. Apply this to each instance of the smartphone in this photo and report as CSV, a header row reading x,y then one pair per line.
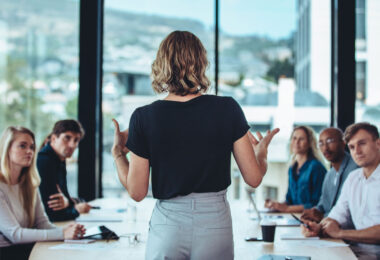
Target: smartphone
x,y
251,239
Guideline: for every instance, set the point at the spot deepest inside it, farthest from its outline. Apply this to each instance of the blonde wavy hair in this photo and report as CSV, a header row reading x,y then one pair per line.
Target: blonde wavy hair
x,y
29,179
313,151
180,65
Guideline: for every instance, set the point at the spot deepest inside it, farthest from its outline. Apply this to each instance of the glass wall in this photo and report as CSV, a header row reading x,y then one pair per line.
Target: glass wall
x,y
367,61
39,67
133,31
275,61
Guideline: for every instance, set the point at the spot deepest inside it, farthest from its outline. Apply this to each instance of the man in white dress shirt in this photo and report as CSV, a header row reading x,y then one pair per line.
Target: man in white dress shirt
x,y
359,202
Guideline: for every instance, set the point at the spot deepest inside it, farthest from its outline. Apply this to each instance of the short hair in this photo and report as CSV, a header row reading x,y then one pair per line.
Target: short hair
x,y
336,130
180,65
68,125
351,130
62,126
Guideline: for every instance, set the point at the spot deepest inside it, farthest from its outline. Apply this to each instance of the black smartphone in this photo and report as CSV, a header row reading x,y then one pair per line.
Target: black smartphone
x,y
251,239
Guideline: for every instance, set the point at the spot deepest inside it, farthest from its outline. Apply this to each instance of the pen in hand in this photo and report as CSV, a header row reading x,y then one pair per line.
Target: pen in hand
x,y
303,223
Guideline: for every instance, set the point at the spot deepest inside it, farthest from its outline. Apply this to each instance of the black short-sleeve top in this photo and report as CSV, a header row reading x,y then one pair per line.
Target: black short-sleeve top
x,y
188,144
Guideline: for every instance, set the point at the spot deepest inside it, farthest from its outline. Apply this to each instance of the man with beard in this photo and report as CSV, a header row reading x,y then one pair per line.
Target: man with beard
x,y
332,146
359,201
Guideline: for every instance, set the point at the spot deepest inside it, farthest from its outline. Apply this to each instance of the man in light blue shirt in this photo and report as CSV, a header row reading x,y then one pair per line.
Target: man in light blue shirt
x,y
332,146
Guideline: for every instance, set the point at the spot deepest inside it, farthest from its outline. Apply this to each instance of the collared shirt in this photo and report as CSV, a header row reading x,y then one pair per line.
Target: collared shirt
x,y
333,183
305,187
53,171
359,200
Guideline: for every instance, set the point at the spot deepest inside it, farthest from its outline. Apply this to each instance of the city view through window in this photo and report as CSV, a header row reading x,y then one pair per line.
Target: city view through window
x,y
274,59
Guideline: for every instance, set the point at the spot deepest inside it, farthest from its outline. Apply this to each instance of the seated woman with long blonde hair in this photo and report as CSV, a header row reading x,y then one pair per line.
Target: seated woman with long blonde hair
x,y
22,216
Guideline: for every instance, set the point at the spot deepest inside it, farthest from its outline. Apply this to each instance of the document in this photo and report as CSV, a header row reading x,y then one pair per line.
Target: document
x,y
318,243
101,216
85,247
296,236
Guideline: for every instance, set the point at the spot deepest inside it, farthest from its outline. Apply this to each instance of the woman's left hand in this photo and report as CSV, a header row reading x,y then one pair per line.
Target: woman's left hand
x,y
119,140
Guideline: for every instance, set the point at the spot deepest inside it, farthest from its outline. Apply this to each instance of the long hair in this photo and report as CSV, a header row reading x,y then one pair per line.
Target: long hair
x,y
180,65
29,179
313,151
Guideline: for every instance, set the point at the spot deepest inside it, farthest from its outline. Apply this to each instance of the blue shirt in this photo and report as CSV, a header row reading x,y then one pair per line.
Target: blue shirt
x,y
305,188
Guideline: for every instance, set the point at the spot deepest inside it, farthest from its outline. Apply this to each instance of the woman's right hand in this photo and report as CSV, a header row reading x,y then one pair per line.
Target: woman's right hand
x,y
260,146
119,140
73,231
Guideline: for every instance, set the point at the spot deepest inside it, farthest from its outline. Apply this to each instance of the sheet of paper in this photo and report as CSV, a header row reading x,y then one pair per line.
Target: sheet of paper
x,y
86,247
318,243
296,236
100,216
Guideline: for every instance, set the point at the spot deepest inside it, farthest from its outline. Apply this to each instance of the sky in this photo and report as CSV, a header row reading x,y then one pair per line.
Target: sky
x,y
273,18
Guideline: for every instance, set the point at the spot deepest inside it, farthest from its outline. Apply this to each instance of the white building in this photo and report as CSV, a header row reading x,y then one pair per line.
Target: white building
x,y
313,48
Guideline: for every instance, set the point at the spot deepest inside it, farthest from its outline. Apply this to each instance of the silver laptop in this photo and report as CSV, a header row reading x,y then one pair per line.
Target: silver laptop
x,y
280,220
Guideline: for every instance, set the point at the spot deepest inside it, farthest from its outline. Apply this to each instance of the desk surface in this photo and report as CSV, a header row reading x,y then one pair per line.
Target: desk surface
x,y
136,221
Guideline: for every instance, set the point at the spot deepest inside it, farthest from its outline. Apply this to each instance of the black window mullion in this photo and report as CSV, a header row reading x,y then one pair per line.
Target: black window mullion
x,y
90,97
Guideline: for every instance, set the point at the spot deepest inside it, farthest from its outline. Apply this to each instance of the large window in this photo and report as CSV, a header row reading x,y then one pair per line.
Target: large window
x,y
275,61
367,61
133,31
39,67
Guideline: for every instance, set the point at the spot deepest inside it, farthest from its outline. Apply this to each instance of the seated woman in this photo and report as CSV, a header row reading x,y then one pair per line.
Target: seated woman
x,y
22,215
306,173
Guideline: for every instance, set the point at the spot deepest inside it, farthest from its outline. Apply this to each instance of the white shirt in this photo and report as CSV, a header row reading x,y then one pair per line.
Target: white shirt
x,y
14,221
359,199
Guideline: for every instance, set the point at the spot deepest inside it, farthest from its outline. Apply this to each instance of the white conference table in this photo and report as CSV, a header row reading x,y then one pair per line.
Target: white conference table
x,y
136,221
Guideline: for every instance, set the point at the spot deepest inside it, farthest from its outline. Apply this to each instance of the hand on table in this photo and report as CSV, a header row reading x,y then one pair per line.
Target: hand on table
x,y
73,231
312,215
271,204
314,230
82,207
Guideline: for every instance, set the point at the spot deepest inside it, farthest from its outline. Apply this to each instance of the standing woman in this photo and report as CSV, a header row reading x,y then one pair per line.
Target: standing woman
x,y
306,173
187,139
22,217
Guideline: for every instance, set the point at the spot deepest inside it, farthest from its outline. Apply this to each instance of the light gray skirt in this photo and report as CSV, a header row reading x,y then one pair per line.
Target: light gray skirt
x,y
196,226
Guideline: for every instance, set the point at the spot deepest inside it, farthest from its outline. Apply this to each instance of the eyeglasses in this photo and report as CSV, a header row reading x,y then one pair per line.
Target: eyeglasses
x,y
327,142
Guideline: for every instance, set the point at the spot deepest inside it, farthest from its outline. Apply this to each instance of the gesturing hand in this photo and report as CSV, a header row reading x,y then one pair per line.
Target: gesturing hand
x,y
260,146
58,201
119,141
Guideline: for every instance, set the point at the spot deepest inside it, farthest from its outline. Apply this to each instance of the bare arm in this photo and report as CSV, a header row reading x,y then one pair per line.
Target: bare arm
x,y
369,235
283,207
133,175
251,156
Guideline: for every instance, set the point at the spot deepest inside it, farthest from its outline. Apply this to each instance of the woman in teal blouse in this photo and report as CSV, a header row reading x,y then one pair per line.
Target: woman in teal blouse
x,y
306,173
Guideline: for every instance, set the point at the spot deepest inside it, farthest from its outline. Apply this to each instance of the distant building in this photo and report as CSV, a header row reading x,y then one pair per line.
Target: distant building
x,y
313,48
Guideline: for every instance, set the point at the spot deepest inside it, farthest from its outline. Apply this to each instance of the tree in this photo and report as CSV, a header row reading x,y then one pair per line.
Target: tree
x,y
278,68
23,105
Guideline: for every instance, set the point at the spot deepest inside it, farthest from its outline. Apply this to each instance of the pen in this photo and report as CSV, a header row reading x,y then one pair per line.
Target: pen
x,y
303,223
95,207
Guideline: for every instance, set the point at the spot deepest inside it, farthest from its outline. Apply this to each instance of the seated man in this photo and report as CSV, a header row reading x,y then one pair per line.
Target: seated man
x,y
51,164
332,147
360,196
